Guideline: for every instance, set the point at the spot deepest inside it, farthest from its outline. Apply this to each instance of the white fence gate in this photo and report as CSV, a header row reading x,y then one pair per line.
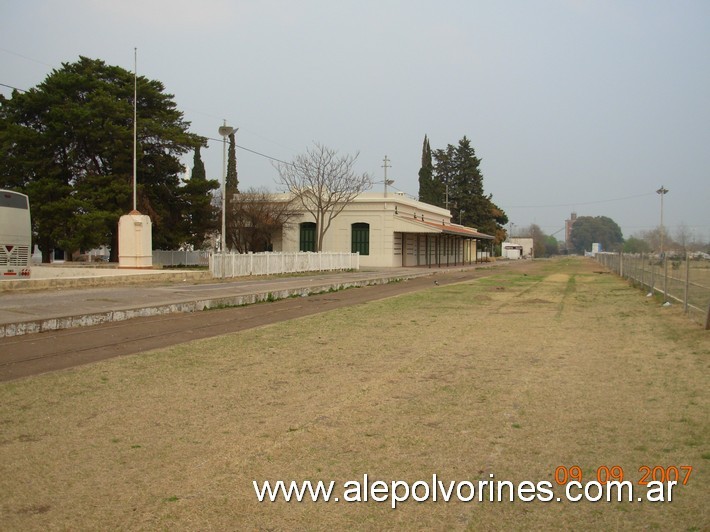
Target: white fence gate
x,y
243,264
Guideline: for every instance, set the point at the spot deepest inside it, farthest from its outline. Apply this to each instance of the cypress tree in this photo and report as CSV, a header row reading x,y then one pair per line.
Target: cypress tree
x,y
231,188
201,214
431,189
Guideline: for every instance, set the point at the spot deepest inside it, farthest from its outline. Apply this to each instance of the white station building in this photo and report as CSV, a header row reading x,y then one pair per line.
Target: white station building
x,y
389,231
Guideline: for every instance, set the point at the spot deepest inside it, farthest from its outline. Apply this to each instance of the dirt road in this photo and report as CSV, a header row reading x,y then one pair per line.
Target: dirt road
x,y
33,354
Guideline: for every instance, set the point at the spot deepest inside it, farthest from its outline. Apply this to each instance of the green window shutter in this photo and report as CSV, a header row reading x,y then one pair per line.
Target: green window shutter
x,y
307,236
361,238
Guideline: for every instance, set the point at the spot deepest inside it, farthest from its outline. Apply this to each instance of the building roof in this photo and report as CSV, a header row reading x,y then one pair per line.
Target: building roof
x,y
415,225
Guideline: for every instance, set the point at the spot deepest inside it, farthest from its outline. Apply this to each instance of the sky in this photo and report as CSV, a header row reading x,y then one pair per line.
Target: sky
x,y
585,106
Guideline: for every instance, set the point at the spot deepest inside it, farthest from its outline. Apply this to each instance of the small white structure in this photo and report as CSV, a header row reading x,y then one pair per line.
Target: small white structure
x,y
135,241
518,248
510,250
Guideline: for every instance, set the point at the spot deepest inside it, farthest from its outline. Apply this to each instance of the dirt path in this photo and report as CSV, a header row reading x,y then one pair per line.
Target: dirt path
x,y
28,355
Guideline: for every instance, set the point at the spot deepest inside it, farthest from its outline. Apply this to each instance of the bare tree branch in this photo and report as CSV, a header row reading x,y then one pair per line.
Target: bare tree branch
x,y
324,183
256,217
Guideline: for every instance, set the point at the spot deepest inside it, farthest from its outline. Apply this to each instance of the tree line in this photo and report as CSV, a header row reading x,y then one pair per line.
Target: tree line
x,y
67,143
451,177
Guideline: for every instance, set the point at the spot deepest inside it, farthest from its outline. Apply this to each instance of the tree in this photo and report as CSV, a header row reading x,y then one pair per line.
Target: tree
x,y
430,189
598,229
201,214
231,187
324,183
539,240
255,218
69,144
683,236
543,245
552,246
636,245
457,170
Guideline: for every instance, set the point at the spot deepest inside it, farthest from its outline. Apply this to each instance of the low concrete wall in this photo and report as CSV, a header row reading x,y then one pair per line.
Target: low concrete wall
x,y
83,320
114,279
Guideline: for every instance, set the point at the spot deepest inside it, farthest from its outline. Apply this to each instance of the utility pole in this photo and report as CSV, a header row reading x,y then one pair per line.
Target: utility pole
x,y
225,131
386,166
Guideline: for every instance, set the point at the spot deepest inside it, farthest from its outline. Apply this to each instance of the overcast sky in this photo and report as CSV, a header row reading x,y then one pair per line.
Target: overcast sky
x,y
572,105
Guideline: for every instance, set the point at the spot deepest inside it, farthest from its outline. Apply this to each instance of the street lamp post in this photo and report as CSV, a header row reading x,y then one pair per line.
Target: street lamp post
x,y
662,192
225,131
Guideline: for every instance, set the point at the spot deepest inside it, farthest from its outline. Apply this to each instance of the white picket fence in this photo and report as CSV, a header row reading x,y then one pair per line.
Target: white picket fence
x,y
243,264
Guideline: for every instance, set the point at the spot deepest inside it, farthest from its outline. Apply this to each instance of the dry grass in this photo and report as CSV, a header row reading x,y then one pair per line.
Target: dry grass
x,y
510,375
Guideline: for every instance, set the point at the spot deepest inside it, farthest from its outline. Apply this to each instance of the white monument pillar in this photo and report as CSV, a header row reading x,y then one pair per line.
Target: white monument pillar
x,y
135,241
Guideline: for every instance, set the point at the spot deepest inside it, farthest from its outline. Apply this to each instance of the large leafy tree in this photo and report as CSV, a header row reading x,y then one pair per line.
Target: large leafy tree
x,y
457,169
68,143
596,229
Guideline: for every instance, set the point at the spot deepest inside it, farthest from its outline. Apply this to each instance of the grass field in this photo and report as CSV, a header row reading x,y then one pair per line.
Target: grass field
x,y
511,375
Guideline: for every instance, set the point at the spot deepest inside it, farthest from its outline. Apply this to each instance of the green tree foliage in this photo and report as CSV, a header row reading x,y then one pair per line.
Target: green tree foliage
x,y
457,170
68,144
231,186
543,245
598,229
430,190
636,245
552,246
201,213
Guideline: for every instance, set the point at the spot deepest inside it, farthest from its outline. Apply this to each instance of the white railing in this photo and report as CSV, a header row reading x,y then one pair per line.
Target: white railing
x,y
243,264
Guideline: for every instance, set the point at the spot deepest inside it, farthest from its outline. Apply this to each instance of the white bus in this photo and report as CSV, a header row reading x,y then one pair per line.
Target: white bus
x,y
15,235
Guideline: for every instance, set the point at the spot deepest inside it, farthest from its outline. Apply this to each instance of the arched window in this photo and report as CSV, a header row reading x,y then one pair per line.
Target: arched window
x,y
307,236
361,238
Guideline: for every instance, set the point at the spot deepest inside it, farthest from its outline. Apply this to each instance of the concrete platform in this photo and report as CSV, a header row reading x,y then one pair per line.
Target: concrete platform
x,y
85,301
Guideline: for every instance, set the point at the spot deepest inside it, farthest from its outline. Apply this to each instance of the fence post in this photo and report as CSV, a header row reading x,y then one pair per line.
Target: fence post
x,y
653,278
686,292
665,278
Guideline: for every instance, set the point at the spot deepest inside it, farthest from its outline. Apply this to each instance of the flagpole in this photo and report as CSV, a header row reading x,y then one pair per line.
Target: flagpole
x,y
135,122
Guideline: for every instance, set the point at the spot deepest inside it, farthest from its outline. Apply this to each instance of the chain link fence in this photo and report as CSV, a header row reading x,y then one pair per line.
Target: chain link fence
x,y
181,258
678,279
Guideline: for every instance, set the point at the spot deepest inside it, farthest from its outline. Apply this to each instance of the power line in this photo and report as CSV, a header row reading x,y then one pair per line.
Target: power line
x,y
11,87
251,151
575,203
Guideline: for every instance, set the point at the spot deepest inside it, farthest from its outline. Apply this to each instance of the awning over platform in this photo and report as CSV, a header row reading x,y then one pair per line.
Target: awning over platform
x,y
404,224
